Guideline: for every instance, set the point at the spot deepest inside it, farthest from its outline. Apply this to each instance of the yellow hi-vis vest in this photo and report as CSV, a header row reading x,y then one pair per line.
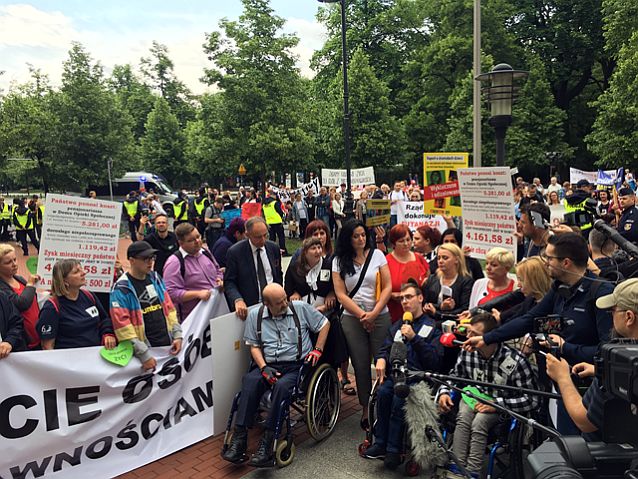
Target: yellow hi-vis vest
x,y
5,214
40,215
271,215
569,208
131,208
23,222
181,211
199,206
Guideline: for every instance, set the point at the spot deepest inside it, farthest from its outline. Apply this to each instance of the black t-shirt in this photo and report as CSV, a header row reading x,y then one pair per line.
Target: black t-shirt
x,y
154,320
164,246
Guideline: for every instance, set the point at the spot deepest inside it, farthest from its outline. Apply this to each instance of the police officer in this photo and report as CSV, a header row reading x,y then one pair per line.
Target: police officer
x,y
180,210
133,213
200,204
274,219
278,357
39,219
24,221
628,224
576,202
5,219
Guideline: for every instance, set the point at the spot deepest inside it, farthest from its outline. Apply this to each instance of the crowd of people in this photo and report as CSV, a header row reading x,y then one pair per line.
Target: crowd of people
x,y
343,302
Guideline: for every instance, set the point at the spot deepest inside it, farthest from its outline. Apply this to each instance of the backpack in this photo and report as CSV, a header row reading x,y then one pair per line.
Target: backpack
x,y
182,265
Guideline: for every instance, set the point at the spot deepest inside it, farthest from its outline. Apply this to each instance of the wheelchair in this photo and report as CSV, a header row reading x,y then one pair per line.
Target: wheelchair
x,y
316,397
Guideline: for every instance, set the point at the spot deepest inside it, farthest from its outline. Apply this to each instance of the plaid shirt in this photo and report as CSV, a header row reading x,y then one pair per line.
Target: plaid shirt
x,y
507,367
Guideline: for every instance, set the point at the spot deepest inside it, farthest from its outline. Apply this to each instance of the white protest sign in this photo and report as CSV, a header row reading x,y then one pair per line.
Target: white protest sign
x,y
489,219
411,213
70,414
83,229
358,176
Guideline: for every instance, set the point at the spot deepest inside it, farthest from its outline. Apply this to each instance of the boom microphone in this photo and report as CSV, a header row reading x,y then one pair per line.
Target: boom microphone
x,y
449,340
398,362
616,237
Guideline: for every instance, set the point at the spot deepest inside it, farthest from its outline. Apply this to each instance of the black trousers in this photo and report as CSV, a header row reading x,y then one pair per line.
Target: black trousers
x,y
4,230
132,229
21,236
303,223
253,387
277,231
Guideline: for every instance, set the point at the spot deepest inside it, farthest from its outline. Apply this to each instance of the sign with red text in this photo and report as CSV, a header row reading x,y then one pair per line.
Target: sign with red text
x,y
83,229
441,191
488,209
410,213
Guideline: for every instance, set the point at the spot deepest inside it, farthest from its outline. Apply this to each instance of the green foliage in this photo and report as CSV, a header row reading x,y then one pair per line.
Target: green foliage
x,y
133,95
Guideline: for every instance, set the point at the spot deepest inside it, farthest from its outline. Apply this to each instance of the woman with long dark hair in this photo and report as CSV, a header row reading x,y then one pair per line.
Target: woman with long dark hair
x,y
363,286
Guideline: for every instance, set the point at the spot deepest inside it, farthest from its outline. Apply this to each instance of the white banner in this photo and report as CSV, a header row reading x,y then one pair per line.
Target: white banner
x,y
83,229
71,414
488,209
607,176
289,195
358,177
411,214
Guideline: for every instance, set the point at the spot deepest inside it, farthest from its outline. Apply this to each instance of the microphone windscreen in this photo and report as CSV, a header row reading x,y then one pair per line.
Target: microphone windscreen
x,y
398,353
402,390
447,340
407,317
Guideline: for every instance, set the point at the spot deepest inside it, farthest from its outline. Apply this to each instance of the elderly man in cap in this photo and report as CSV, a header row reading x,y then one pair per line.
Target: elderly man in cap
x,y
628,224
142,310
588,412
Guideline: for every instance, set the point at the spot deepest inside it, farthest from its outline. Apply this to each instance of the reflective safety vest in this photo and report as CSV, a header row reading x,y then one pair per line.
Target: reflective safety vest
x,y
199,207
181,211
131,208
5,214
271,215
40,215
22,222
569,208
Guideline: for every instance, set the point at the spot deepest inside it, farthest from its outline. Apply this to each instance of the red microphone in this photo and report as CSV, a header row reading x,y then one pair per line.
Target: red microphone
x,y
449,340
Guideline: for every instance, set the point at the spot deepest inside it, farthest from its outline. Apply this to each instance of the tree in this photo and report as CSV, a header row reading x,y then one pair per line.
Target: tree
x,y
133,95
91,126
163,144
262,93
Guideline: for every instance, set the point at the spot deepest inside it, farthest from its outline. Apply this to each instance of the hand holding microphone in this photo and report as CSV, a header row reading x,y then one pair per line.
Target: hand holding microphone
x,y
449,340
471,344
406,328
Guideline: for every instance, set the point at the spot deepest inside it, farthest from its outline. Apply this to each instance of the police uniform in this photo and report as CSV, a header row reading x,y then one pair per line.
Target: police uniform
x,y
284,345
5,218
628,224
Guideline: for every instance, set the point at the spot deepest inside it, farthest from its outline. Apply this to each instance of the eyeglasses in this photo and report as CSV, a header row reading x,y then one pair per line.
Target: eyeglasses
x,y
407,297
545,257
148,258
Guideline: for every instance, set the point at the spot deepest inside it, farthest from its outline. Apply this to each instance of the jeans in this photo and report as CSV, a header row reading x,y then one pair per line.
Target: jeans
x,y
388,430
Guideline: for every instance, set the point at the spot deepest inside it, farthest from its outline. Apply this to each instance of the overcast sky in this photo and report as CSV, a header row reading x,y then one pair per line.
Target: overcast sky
x,y
118,32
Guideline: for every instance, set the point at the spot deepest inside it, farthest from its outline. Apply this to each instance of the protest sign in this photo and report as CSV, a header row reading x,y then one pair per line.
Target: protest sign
x,y
289,195
410,213
378,212
70,414
488,209
606,177
358,177
230,215
248,210
84,229
441,185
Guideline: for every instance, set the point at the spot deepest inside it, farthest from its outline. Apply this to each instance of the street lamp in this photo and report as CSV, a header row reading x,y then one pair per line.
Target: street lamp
x,y
501,90
348,209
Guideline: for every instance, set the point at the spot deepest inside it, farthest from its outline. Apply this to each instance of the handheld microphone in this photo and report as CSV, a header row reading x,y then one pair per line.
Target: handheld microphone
x,y
449,340
616,237
407,319
398,362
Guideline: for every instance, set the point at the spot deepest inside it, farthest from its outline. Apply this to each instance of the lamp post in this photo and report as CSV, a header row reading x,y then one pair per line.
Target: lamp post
x,y
348,209
501,90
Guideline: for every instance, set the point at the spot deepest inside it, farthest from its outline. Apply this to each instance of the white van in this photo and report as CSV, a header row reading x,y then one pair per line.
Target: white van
x,y
137,180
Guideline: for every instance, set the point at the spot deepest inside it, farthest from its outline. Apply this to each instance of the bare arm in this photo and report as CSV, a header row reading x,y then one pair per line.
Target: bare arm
x,y
340,290
258,356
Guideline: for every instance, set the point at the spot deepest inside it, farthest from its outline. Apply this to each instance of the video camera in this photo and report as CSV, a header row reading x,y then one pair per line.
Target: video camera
x,y
617,455
586,216
551,324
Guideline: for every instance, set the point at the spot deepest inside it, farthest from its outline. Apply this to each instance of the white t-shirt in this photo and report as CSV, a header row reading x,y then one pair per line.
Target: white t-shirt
x,y
396,196
366,295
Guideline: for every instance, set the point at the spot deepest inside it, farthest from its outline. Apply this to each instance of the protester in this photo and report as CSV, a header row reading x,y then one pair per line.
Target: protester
x,y
322,205
403,265
142,310
191,273
498,262
356,271
337,211
235,232
395,196
21,293
251,264
300,214
161,239
72,317
316,229
361,211
535,228
454,236
426,240
11,332
214,222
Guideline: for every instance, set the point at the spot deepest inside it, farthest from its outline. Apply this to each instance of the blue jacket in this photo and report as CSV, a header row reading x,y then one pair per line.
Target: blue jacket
x,y
425,351
591,325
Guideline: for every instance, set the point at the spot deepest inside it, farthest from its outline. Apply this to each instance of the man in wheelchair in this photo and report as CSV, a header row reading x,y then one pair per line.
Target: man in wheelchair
x,y
497,364
424,353
278,334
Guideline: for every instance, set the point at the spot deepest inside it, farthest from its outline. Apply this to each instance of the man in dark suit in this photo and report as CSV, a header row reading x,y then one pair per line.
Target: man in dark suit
x,y
251,264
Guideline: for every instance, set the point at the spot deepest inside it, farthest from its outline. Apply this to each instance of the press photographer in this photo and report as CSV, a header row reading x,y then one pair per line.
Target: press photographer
x,y
588,412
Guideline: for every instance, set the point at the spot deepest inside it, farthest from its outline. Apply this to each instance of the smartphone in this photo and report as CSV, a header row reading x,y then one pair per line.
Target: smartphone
x,y
446,292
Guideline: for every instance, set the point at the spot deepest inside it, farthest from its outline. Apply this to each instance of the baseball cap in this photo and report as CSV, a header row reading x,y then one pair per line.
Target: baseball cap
x,y
582,183
140,249
625,191
625,296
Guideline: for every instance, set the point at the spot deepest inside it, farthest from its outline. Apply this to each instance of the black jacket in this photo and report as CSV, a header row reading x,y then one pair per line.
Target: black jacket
x,y
461,292
11,328
296,283
473,266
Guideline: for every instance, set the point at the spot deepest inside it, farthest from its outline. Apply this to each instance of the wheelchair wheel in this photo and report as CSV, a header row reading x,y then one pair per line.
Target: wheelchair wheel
x,y
323,402
282,457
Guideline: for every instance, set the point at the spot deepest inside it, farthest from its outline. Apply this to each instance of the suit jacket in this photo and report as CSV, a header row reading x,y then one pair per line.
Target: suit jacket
x,y
240,277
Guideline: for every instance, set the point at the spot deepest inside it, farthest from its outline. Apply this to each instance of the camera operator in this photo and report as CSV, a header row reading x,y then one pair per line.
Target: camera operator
x,y
534,221
497,364
573,297
587,412
628,224
424,353
601,249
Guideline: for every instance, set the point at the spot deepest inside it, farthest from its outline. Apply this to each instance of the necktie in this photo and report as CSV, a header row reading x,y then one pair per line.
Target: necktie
x,y
261,272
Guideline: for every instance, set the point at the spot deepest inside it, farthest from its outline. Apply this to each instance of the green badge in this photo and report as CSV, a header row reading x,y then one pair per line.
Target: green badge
x,y
32,265
120,354
470,401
